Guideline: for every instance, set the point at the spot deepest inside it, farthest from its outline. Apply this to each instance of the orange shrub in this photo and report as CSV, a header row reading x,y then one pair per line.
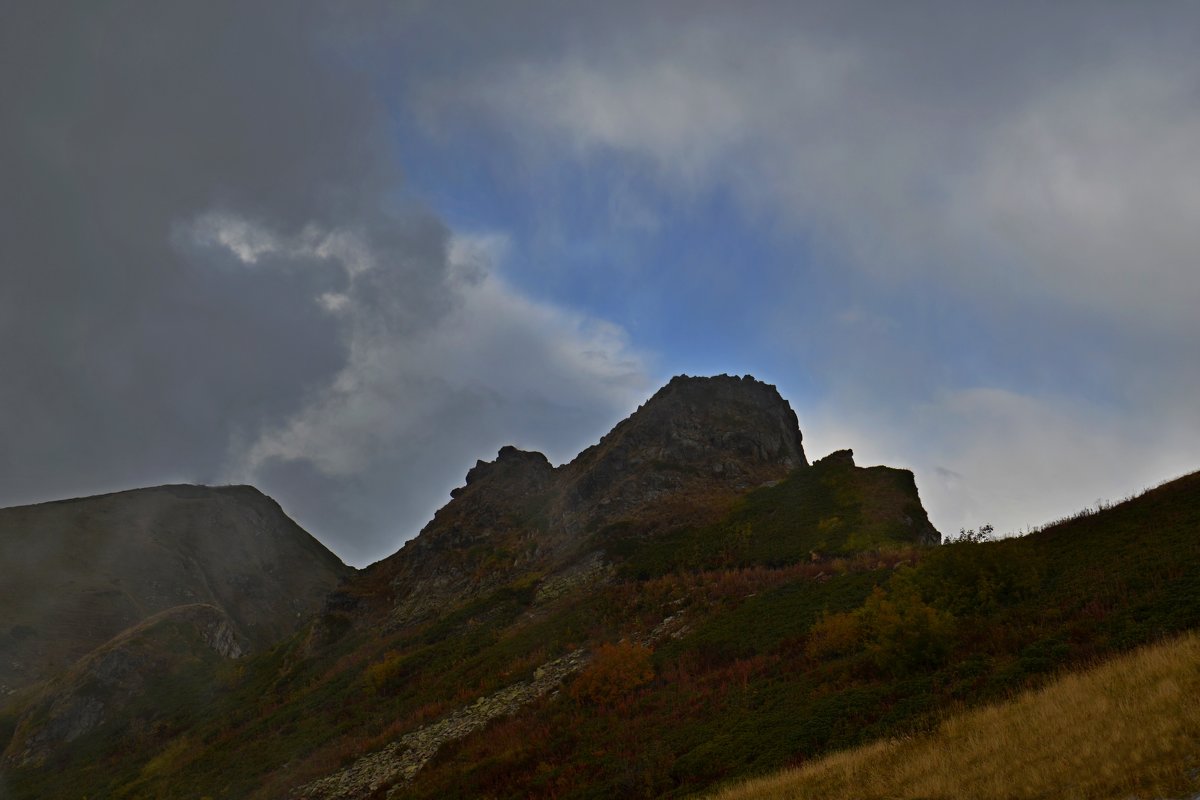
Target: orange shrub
x,y
616,670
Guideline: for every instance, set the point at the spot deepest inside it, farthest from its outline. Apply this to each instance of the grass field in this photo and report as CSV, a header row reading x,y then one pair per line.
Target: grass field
x,y
1128,728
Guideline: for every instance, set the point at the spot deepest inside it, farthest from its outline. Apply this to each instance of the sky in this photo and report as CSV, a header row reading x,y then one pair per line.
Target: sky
x,y
342,250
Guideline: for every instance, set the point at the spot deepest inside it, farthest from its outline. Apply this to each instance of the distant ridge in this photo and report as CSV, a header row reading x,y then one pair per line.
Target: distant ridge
x,y
79,571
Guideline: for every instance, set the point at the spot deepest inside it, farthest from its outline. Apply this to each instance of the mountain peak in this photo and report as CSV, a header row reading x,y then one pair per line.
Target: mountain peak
x,y
765,425
78,571
681,458
513,466
737,429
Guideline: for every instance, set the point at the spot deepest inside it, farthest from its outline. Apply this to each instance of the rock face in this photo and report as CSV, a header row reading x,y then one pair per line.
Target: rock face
x,y
172,654
77,572
695,432
893,494
682,456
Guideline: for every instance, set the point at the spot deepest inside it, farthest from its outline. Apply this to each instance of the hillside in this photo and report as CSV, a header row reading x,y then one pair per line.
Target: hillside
x,y
143,674
680,459
687,602
1129,728
78,572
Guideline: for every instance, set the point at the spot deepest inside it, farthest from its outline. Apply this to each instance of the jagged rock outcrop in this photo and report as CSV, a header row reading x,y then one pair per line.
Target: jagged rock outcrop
x,y
171,654
77,572
726,431
892,492
681,457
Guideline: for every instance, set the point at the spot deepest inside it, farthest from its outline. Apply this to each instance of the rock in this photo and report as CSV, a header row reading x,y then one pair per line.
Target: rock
x,y
109,684
399,762
683,456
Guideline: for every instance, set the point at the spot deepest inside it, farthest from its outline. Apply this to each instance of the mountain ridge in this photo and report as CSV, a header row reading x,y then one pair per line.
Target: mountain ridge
x,y
684,456
80,570
728,611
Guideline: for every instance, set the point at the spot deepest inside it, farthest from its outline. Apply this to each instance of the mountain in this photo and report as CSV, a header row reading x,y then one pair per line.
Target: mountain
x,y
687,602
78,572
168,659
682,458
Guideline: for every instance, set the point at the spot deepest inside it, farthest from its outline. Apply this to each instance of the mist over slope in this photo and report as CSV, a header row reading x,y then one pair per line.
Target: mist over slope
x,y
78,572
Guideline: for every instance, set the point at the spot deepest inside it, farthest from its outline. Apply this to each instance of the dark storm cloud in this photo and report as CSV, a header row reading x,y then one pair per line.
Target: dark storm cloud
x,y
209,271
124,359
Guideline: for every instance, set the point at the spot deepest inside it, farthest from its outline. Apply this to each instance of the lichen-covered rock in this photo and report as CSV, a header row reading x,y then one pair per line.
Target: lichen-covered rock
x,y
399,762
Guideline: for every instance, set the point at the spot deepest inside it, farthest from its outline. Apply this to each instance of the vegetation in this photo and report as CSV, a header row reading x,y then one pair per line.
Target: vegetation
x,y
1128,728
818,655
797,625
829,510
617,670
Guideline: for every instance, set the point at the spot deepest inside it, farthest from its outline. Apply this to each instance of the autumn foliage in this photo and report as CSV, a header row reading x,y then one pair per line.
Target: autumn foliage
x,y
616,670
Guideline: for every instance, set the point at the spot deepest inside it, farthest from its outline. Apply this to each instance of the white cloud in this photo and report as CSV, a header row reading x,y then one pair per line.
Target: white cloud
x,y
250,241
494,343
1084,185
413,407
244,239
1092,192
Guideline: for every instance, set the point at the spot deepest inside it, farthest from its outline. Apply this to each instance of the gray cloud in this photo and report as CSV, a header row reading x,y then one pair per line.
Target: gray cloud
x,y
119,121
1027,149
209,272
209,269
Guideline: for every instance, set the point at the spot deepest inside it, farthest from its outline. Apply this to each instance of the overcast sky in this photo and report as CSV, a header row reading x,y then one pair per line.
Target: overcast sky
x,y
342,250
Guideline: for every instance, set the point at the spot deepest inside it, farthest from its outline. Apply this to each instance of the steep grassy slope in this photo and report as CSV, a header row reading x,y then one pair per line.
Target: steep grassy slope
x,y
132,690
782,669
1129,728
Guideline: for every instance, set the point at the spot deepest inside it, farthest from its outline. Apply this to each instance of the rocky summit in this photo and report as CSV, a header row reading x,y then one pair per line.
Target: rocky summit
x,y
681,458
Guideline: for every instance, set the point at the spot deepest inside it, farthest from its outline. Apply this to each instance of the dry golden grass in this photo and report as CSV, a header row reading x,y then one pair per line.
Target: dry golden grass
x,y
1128,728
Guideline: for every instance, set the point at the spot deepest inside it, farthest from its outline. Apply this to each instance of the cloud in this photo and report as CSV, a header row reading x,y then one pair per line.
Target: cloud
x,y
211,268
1004,198
1080,185
211,265
1091,191
397,426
